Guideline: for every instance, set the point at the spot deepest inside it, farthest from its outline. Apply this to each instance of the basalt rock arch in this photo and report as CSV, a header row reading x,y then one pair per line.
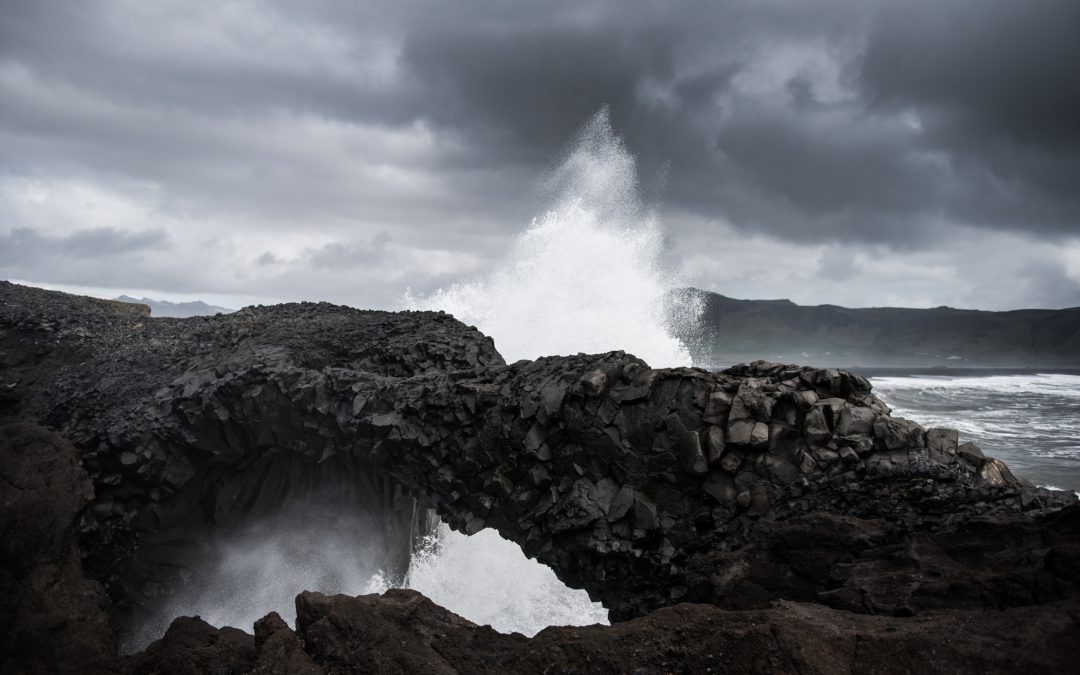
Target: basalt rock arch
x,y
184,425
645,487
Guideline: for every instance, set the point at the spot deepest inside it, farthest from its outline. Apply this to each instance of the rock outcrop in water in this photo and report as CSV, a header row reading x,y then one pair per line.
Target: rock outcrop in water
x,y
648,488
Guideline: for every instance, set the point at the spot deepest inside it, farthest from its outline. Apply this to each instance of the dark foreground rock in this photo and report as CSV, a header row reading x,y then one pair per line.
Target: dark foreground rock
x,y
53,619
741,489
404,632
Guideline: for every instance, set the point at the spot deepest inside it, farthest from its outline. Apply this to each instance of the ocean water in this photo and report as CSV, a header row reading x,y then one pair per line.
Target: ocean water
x,y
1031,422
586,275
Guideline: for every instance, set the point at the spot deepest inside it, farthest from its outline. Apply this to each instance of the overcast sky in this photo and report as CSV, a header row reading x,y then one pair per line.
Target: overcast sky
x,y
861,153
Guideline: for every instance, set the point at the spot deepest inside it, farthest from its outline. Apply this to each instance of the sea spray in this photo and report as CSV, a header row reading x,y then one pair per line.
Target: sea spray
x,y
237,575
489,581
586,275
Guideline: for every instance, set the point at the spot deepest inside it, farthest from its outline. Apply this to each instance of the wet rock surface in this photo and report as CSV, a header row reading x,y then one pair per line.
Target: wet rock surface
x,y
761,484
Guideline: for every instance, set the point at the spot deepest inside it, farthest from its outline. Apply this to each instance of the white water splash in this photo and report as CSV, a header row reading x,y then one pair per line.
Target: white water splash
x,y
488,580
243,573
586,276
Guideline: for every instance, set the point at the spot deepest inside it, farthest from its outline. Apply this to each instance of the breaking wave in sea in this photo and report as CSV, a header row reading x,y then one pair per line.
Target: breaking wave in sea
x,y
488,580
1028,421
586,275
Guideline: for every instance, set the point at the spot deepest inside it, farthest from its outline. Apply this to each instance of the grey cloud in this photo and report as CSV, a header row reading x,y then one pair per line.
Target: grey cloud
x,y
987,85
22,244
266,259
341,255
205,58
835,179
993,84
838,265
433,122
93,257
1003,67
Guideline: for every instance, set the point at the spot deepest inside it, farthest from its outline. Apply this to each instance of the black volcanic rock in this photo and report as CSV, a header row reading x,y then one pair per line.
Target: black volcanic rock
x,y
402,632
648,488
54,618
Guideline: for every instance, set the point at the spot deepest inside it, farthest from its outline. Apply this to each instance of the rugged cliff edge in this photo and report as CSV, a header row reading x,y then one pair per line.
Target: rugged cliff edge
x,y
786,499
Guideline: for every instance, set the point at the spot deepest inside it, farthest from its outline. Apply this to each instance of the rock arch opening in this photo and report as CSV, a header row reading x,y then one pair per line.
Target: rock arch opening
x,y
236,544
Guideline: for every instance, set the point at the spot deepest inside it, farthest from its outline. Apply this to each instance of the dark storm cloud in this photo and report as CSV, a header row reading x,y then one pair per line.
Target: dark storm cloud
x,y
961,111
995,86
520,86
878,124
1008,69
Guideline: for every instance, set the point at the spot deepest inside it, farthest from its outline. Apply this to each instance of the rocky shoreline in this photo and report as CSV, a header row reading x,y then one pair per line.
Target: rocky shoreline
x,y
763,518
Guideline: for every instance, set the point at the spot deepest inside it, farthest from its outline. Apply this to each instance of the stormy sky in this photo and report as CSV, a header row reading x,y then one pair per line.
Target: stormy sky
x,y
862,153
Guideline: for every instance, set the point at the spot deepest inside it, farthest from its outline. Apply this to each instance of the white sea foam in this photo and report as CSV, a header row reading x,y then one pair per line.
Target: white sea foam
x,y
1030,421
1065,386
586,275
1054,487
487,580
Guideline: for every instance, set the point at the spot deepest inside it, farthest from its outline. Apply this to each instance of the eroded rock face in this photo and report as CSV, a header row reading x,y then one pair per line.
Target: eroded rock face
x,y
185,425
645,487
650,487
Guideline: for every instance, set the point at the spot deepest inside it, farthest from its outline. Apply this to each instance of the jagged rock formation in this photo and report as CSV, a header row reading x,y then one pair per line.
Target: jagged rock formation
x,y
645,487
402,633
196,423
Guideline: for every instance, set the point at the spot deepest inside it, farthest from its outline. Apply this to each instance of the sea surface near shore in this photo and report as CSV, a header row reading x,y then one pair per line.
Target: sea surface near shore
x,y
1031,421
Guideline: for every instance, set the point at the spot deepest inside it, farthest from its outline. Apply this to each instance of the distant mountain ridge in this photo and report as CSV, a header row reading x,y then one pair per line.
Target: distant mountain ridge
x,y
733,331
178,310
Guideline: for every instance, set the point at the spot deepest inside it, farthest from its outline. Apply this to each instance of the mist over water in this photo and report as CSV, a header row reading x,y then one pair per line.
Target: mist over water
x,y
240,574
586,275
